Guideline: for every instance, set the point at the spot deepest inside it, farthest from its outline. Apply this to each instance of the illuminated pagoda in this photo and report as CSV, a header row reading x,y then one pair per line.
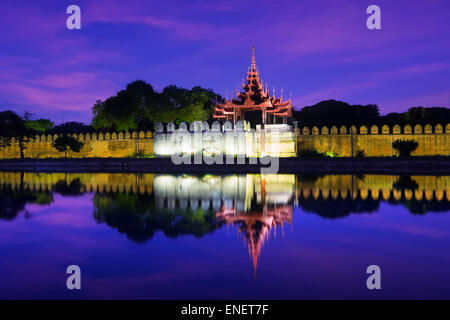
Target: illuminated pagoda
x,y
255,224
254,97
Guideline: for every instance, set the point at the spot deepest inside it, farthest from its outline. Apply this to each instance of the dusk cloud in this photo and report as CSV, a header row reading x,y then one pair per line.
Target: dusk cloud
x,y
315,49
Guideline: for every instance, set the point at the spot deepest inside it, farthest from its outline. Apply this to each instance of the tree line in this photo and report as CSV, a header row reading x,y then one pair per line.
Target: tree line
x,y
338,113
138,107
23,130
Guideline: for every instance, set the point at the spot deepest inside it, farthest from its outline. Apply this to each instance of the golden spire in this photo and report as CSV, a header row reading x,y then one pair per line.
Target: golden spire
x,y
253,59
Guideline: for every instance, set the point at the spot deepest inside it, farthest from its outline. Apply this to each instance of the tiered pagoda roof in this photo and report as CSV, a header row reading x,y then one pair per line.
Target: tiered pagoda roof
x,y
256,225
254,97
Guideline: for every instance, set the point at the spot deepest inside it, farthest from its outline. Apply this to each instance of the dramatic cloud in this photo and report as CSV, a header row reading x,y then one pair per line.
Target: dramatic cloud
x,y
315,49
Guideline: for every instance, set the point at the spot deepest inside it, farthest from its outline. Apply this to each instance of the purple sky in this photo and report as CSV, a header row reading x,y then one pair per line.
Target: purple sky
x,y
315,49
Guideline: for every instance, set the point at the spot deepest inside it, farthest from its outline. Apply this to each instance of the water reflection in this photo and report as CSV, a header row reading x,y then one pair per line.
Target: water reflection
x,y
139,216
139,205
254,204
14,198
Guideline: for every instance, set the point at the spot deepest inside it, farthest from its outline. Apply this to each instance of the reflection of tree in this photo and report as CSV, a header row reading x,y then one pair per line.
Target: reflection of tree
x,y
424,206
338,208
137,216
418,206
13,201
405,183
69,189
43,198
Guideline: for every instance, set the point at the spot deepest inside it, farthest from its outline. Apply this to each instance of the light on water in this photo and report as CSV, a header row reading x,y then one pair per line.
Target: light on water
x,y
224,236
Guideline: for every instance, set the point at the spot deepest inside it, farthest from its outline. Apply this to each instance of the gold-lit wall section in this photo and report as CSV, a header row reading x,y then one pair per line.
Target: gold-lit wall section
x,y
375,141
384,187
89,182
101,145
278,140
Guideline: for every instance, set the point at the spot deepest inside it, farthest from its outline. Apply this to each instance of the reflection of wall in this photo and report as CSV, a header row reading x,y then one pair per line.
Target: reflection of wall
x,y
242,189
95,145
254,203
375,141
102,182
373,186
237,192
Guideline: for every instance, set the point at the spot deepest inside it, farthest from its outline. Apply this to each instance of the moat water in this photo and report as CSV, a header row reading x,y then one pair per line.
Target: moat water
x,y
154,236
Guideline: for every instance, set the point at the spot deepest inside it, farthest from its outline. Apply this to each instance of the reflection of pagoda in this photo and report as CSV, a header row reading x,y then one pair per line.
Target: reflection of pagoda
x,y
256,224
254,98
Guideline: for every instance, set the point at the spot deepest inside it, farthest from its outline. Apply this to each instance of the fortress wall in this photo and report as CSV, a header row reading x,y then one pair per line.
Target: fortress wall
x,y
95,145
375,141
218,139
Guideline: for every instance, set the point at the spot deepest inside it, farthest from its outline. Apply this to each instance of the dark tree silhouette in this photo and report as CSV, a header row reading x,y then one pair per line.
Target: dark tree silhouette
x,y
405,147
337,113
72,127
65,142
138,107
13,126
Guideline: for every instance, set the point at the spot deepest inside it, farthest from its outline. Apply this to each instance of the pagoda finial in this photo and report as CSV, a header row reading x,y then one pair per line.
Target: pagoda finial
x,y
253,59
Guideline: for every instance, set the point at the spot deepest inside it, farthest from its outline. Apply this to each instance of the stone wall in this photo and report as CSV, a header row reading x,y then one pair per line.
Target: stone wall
x,y
342,141
227,139
374,141
95,145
